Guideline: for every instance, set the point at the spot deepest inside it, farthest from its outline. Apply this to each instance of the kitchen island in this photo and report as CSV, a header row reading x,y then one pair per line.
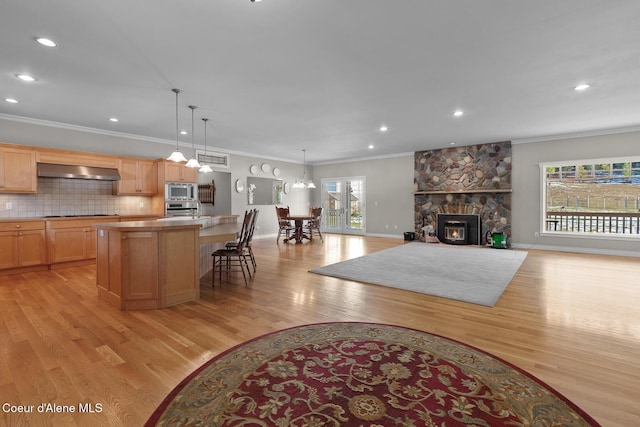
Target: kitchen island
x,y
156,264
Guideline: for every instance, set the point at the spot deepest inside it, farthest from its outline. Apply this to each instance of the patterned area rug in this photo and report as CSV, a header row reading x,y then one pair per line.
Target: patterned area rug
x,y
362,374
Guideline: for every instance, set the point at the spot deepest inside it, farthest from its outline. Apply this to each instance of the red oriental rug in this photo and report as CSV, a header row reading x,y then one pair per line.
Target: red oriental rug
x,y
362,374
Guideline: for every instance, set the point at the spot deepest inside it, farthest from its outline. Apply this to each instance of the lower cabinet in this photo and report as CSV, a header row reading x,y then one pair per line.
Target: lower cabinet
x,y
71,240
22,244
140,267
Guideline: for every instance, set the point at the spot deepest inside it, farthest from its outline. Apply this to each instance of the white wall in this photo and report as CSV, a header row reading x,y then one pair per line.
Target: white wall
x,y
389,180
527,191
389,191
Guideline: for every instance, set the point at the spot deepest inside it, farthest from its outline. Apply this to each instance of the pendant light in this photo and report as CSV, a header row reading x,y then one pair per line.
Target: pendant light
x,y
205,168
177,155
193,162
304,183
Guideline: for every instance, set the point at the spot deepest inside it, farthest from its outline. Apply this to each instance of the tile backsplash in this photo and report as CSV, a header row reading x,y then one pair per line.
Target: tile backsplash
x,y
61,196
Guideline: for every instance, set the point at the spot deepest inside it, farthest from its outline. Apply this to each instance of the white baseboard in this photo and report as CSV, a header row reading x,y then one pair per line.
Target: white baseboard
x,y
576,249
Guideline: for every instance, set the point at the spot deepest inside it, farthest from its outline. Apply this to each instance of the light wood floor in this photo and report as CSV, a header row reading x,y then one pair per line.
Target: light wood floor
x,y
572,320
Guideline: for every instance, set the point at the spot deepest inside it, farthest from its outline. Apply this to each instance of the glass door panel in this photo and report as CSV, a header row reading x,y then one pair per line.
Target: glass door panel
x,y
343,205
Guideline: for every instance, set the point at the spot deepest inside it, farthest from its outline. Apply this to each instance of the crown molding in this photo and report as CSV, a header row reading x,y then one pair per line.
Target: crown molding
x,y
66,126
572,135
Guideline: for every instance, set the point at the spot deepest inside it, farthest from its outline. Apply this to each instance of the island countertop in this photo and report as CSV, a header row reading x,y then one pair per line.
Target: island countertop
x,y
211,229
155,264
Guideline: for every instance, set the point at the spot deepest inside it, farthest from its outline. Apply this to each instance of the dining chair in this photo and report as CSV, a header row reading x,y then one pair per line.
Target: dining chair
x,y
234,259
314,223
284,225
248,247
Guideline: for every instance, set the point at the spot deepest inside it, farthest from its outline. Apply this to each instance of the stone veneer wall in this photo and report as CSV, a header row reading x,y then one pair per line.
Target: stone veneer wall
x,y
464,180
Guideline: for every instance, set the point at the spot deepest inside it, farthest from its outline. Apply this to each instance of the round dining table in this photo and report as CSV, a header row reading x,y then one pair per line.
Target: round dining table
x,y
298,233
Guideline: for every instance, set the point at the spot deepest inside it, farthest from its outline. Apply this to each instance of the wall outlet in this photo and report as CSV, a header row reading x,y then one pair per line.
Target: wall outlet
x,y
8,206
142,204
536,234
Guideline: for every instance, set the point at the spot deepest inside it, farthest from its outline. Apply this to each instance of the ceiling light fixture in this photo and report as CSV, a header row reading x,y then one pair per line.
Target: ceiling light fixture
x,y
583,86
205,168
458,113
383,128
46,42
193,162
370,146
177,155
304,183
114,119
25,77
11,100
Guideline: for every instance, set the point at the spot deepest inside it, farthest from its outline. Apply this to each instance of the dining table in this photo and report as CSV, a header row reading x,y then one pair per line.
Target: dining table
x,y
298,232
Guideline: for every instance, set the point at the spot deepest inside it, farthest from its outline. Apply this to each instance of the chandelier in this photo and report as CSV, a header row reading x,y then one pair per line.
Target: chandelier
x,y
304,182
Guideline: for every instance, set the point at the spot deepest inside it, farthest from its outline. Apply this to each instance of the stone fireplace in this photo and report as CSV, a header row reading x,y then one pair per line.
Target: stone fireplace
x,y
464,181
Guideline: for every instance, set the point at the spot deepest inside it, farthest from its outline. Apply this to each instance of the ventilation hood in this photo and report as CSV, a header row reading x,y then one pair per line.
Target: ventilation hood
x,y
51,170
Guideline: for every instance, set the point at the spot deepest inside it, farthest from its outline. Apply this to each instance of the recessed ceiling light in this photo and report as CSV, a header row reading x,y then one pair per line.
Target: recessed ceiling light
x,y
46,42
383,128
25,77
11,100
452,143
183,132
113,119
370,146
583,86
458,113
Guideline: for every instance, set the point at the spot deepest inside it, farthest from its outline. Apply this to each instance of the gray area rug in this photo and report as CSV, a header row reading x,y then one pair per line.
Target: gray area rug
x,y
472,274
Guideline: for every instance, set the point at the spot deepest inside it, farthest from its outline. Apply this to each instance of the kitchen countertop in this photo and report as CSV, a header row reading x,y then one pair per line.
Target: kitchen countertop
x,y
72,217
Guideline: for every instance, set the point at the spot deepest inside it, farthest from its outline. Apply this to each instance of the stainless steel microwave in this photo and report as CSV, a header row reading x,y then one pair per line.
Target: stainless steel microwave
x,y
180,191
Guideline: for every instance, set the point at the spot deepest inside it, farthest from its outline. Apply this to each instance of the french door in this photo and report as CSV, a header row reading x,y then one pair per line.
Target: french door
x,y
343,205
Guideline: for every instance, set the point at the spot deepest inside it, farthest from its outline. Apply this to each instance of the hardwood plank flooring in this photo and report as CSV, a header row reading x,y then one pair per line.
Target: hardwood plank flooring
x,y
572,320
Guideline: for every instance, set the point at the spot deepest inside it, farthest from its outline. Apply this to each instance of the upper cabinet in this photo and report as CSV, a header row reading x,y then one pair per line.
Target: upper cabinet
x,y
178,172
18,170
137,177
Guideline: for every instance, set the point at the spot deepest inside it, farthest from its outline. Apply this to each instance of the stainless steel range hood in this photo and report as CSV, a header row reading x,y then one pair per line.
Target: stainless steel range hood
x,y
51,170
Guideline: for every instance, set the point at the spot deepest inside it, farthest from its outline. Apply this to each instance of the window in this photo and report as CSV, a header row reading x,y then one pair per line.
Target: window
x,y
597,197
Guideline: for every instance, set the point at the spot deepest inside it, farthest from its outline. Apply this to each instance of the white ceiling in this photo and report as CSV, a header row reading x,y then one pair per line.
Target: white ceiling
x,y
279,76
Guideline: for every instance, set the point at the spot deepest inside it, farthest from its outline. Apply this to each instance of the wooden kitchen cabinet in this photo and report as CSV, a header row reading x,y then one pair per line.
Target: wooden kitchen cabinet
x,y
178,172
72,240
147,265
22,244
137,177
18,172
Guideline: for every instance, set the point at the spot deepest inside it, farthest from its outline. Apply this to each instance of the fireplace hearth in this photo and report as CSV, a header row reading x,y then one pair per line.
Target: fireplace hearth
x,y
459,229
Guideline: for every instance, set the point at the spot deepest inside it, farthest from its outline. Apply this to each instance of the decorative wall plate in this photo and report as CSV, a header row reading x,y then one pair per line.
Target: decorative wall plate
x,y
239,186
266,167
253,169
276,171
287,188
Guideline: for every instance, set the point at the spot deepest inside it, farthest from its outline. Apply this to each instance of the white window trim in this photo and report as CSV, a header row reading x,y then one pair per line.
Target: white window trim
x,y
576,234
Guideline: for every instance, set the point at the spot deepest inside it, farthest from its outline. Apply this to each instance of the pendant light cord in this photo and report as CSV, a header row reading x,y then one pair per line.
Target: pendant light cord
x,y
177,91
